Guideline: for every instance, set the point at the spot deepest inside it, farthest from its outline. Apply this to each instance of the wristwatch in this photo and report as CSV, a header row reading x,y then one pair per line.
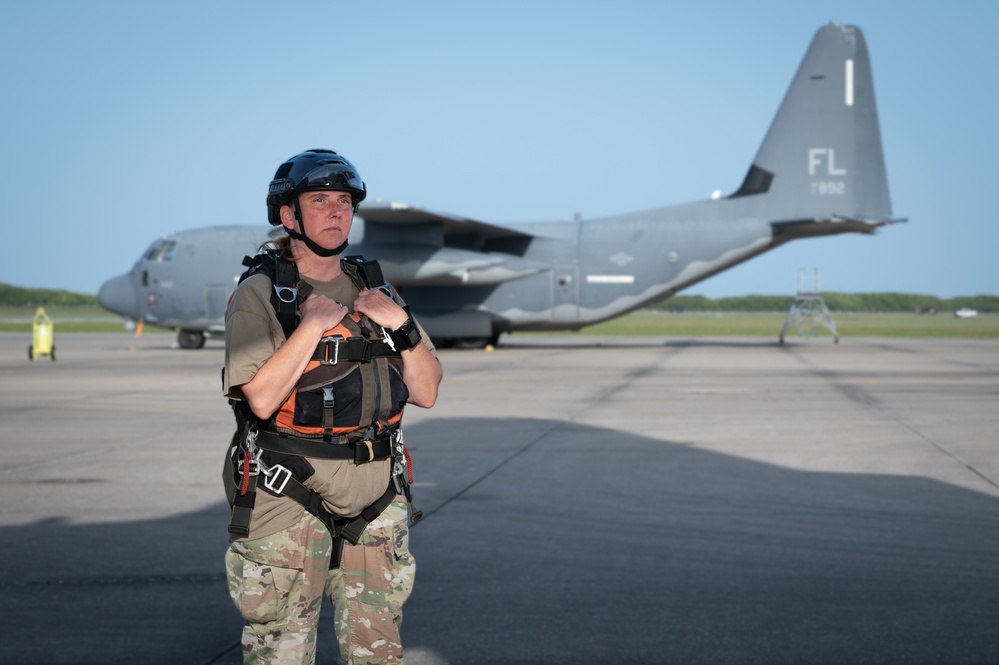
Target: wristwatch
x,y
406,336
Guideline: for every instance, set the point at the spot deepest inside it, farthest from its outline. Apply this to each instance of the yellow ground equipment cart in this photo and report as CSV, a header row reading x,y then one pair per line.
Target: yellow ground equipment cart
x,y
43,343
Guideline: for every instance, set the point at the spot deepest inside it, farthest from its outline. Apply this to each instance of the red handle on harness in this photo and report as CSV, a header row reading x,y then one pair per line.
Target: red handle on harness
x,y
245,486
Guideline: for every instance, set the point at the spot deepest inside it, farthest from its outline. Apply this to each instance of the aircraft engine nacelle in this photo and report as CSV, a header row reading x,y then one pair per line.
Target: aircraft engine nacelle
x,y
471,324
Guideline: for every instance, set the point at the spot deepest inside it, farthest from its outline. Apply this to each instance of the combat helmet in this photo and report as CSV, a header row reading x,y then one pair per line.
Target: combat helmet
x,y
310,171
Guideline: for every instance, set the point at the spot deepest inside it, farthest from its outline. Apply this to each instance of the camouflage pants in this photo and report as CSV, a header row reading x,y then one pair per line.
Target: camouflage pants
x,y
278,583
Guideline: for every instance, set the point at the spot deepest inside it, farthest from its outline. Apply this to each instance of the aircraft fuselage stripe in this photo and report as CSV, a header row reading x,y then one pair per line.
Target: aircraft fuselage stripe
x,y
610,279
849,82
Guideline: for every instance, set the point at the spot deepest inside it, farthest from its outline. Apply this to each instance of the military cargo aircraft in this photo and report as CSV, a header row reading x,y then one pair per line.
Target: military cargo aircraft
x,y
820,171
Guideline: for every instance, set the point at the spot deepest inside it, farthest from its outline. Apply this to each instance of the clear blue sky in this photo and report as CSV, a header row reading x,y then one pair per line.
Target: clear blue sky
x,y
123,121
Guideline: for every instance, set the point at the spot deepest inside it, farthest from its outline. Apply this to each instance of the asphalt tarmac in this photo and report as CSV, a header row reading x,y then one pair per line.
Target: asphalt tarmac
x,y
587,500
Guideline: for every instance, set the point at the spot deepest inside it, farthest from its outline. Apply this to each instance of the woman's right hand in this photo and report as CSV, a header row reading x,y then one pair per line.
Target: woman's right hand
x,y
322,310
276,378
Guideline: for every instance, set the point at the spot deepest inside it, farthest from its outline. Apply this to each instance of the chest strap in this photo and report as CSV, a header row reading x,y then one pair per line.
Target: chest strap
x,y
335,348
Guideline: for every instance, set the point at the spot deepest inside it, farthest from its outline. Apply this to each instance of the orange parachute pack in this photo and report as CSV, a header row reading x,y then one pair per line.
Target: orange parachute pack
x,y
353,381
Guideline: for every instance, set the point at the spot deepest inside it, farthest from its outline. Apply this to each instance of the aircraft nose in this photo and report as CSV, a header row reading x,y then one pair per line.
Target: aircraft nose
x,y
118,295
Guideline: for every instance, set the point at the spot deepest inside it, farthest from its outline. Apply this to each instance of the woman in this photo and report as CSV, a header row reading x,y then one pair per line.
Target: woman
x,y
319,364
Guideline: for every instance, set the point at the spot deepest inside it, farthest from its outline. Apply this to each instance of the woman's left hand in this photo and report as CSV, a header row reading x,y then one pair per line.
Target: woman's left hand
x,y
380,308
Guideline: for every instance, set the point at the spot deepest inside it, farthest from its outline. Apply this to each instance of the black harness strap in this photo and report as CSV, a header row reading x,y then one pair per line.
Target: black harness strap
x,y
311,501
361,451
242,509
369,273
340,529
240,502
285,296
285,281
352,529
291,487
332,350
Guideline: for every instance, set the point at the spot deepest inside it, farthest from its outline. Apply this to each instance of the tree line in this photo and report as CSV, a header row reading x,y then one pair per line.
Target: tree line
x,y
838,302
17,296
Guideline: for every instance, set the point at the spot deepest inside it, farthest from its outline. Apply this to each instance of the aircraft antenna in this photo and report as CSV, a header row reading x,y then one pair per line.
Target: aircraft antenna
x,y
809,311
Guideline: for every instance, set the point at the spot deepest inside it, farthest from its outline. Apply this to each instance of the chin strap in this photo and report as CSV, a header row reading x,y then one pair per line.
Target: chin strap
x,y
311,244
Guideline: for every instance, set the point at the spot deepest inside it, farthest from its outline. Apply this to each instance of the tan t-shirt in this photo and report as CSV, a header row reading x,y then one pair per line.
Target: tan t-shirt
x,y
252,335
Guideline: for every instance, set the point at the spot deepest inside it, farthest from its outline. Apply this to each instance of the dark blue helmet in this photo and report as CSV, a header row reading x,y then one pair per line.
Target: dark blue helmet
x,y
310,171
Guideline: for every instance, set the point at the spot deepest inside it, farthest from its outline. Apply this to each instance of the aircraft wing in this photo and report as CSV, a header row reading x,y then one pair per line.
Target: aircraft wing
x,y
420,247
400,222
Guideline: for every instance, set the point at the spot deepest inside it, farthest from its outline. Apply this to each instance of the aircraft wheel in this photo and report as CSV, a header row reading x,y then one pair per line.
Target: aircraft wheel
x,y
190,339
31,352
471,342
52,355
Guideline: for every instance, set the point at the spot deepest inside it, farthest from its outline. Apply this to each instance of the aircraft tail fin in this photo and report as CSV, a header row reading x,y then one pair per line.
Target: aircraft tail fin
x,y
822,158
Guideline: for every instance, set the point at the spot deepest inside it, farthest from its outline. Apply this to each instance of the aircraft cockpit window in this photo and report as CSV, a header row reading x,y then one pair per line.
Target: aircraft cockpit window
x,y
162,250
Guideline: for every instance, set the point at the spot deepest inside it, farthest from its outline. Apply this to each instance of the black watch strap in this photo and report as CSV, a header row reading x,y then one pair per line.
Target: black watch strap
x,y
406,336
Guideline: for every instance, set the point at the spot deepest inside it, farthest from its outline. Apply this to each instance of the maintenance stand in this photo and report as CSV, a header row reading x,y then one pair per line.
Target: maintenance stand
x,y
809,308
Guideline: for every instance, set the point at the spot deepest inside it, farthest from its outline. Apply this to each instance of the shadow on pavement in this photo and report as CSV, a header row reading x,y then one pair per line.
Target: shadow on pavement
x,y
551,542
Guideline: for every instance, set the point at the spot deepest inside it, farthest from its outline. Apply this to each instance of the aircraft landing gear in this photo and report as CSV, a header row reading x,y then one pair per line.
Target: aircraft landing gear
x,y
468,342
190,339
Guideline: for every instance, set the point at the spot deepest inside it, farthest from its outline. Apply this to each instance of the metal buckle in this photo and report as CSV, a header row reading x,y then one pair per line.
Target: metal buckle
x,y
254,465
398,477
335,339
247,444
286,294
277,478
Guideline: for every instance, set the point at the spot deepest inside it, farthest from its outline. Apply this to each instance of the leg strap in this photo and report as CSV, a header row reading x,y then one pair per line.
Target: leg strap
x,y
282,482
351,529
